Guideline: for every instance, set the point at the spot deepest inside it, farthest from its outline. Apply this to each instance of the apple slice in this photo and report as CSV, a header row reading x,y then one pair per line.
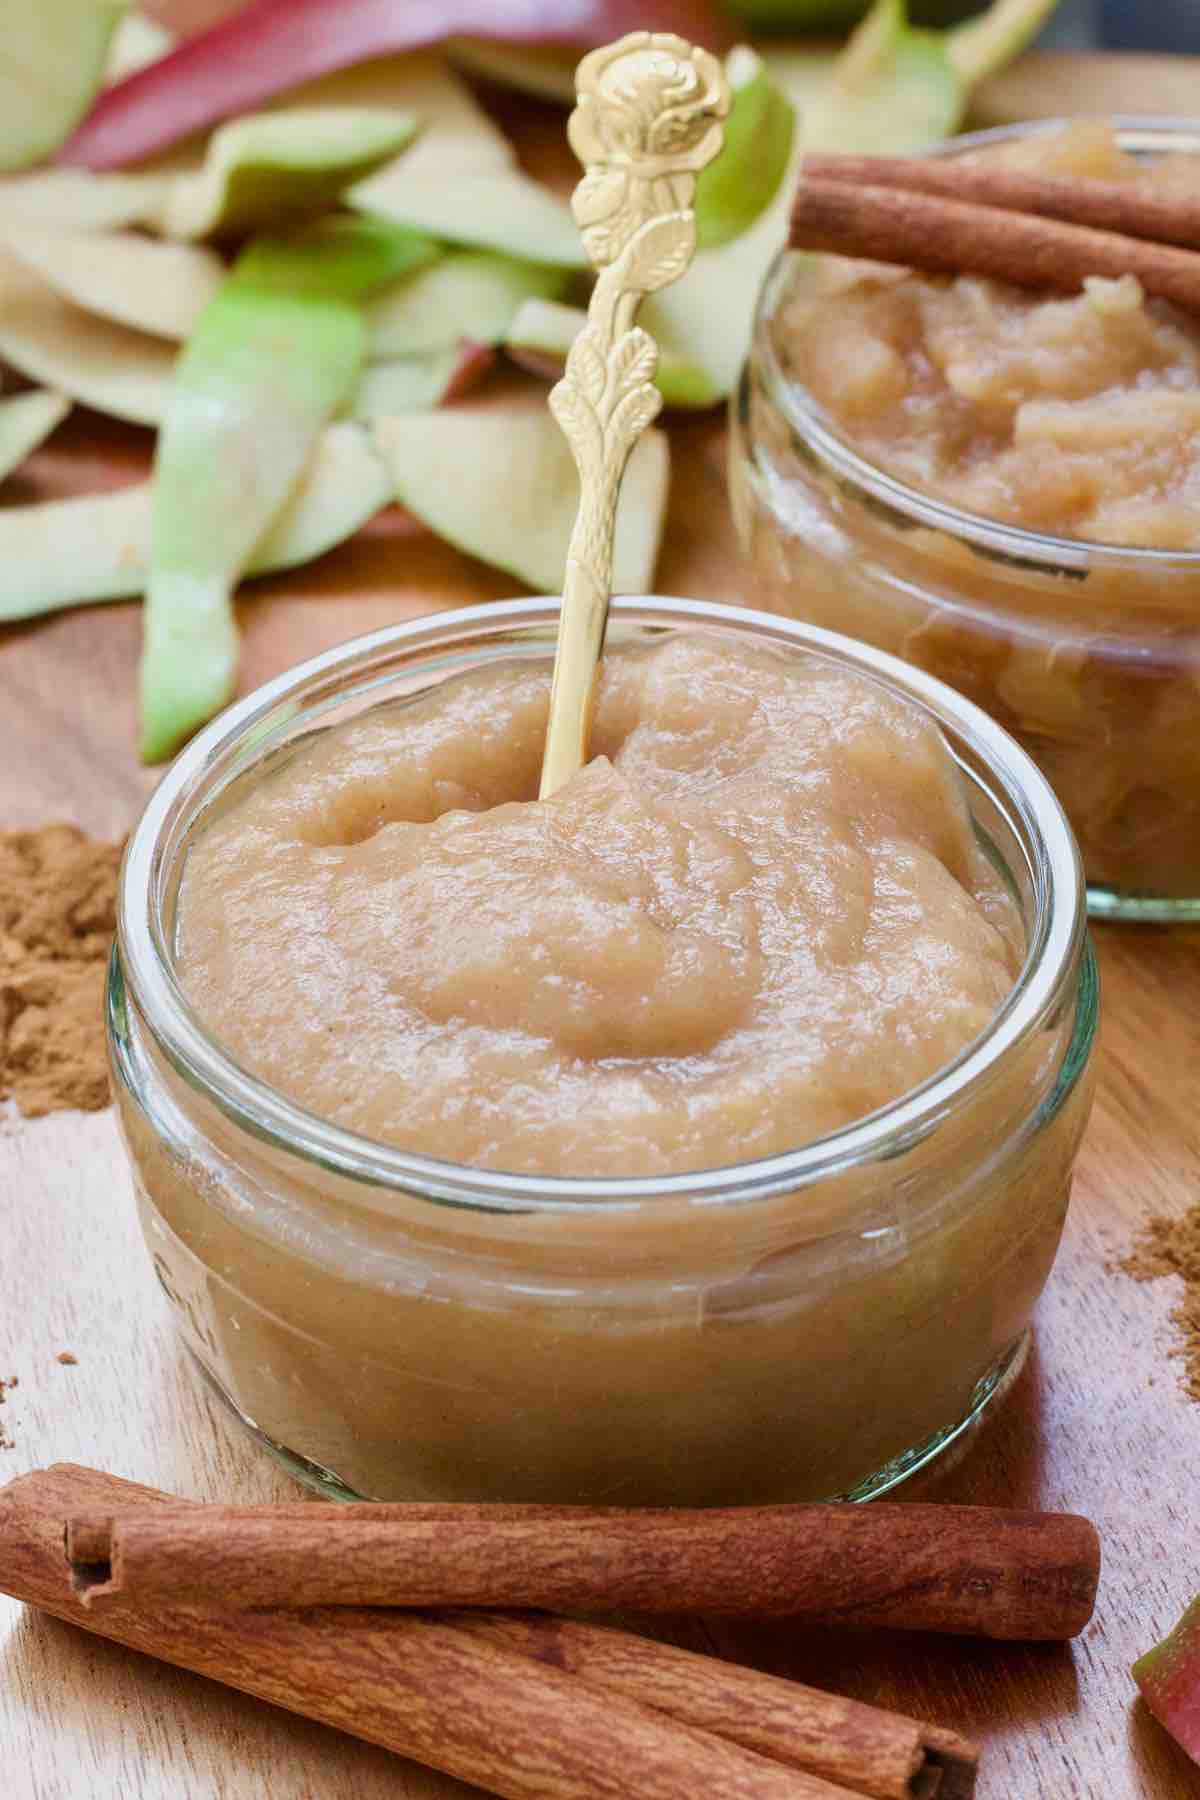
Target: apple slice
x,y
984,45
271,46
277,352
343,484
470,294
268,169
456,134
1169,1679
803,72
892,90
418,383
157,288
459,180
741,183
97,547
897,88
118,371
541,335
502,211
406,384
55,55
275,168
502,486
26,421
74,200
543,331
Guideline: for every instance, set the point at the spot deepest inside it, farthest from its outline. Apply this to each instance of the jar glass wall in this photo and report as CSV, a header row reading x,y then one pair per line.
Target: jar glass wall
x,y
1089,654
809,1325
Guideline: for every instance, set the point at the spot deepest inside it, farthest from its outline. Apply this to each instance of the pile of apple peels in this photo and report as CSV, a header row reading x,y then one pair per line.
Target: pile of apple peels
x,y
286,242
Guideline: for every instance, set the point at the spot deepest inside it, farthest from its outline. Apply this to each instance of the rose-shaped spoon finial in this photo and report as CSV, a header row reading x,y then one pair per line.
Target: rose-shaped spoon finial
x,y
647,121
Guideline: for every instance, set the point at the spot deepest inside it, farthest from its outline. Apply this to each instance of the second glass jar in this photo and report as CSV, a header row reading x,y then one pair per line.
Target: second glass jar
x,y
1088,653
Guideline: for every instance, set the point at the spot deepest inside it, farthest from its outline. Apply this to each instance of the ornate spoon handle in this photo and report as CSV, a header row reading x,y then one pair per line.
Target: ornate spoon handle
x,y
647,121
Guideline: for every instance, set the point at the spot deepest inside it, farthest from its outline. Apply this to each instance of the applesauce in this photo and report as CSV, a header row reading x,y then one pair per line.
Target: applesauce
x,y
703,1133
1003,486
760,913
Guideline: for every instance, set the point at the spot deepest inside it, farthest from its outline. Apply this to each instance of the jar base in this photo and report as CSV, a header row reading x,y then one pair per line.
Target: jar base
x,y
989,1388
328,1485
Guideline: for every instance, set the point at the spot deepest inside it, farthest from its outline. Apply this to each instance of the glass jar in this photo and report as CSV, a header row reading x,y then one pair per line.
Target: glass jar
x,y
809,1325
1089,654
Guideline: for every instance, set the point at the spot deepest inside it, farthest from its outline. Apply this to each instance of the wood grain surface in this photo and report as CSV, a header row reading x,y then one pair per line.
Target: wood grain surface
x,y
1097,1422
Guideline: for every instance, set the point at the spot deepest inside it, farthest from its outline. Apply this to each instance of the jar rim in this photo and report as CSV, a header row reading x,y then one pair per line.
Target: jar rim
x,y
836,451
242,734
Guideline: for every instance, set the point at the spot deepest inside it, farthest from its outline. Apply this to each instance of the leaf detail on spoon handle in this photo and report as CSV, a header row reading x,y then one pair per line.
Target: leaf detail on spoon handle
x,y
647,121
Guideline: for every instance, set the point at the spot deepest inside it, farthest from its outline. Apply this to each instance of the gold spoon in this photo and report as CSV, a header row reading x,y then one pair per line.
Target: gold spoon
x,y
647,121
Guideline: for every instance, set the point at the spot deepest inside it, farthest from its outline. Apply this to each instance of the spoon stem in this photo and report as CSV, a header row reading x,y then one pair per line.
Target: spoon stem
x,y
647,121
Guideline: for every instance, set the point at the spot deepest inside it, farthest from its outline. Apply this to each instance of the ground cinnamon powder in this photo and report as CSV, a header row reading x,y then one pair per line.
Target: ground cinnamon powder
x,y
1172,1247
57,915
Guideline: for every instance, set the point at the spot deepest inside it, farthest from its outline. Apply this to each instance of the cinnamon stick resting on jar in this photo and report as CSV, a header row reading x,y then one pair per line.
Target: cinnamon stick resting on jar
x,y
1127,207
532,1708
952,217
972,1570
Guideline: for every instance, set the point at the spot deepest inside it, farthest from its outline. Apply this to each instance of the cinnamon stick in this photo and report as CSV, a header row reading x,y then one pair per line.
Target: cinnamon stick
x,y
1131,207
965,1569
91,1533
877,1753
953,237
414,1684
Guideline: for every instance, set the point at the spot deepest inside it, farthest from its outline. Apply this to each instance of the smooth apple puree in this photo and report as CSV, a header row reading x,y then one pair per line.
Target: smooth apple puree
x,y
760,913
1074,415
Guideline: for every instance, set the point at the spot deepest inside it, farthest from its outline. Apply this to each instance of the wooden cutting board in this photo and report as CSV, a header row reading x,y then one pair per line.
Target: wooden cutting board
x,y
1097,1422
